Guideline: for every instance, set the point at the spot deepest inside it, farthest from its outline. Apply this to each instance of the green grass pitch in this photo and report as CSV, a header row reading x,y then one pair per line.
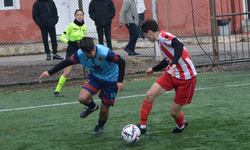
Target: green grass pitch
x,y
218,118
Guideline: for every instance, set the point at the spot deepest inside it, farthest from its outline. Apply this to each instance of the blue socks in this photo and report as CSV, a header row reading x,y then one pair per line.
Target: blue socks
x,y
101,123
91,105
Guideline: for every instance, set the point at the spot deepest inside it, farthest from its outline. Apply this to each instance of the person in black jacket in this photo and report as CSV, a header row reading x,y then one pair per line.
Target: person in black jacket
x,y
102,12
44,14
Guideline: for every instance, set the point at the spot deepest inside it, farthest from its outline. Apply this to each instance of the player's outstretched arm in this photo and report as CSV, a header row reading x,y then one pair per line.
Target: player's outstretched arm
x,y
63,64
44,74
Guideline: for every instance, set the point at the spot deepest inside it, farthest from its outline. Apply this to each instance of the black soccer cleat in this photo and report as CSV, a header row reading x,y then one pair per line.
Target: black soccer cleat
x,y
87,111
98,130
143,131
56,94
177,130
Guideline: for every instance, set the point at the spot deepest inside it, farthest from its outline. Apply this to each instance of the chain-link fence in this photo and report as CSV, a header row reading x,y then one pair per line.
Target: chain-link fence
x,y
22,56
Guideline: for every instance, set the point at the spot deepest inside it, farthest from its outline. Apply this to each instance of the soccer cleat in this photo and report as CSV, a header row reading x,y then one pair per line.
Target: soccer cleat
x,y
143,131
56,94
56,56
48,57
98,130
87,111
177,130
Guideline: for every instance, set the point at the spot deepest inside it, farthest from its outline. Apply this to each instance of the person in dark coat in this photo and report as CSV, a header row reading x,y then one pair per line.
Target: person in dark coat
x,y
102,12
44,14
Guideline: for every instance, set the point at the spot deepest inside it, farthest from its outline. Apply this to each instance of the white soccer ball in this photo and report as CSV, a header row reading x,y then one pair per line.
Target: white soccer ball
x,y
131,133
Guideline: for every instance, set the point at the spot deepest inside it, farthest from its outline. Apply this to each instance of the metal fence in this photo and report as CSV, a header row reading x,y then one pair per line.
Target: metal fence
x,y
232,34
23,61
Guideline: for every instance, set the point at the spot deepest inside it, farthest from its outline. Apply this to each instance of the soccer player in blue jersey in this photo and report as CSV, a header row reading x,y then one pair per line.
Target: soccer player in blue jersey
x,y
106,74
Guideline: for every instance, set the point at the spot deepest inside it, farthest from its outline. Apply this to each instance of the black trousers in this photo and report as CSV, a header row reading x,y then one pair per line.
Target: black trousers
x,y
52,33
107,30
141,19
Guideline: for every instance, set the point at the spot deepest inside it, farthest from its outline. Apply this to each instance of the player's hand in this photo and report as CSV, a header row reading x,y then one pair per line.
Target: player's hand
x,y
173,70
120,25
149,71
120,86
44,74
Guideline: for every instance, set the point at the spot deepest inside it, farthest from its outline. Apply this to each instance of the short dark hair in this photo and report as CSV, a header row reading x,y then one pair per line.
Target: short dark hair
x,y
79,10
86,44
149,24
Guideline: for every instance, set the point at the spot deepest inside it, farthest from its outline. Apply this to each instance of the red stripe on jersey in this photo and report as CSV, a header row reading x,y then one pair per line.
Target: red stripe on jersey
x,y
169,36
190,69
185,67
115,58
106,100
181,71
72,59
165,51
180,68
90,87
184,56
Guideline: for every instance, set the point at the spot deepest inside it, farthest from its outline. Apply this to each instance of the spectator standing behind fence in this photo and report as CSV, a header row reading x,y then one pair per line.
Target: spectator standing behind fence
x,y
102,12
44,14
129,17
75,31
141,13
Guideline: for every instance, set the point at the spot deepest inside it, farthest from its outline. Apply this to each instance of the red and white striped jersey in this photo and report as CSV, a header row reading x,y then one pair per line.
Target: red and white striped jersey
x,y
185,69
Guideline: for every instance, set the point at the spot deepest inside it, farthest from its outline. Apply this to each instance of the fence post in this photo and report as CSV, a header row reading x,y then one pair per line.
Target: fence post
x,y
215,50
85,71
155,16
80,4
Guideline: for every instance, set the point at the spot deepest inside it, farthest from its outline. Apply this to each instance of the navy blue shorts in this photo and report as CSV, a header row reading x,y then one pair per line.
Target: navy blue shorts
x,y
108,89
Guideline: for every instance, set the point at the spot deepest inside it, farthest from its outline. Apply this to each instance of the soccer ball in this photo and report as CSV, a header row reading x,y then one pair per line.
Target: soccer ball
x,y
131,133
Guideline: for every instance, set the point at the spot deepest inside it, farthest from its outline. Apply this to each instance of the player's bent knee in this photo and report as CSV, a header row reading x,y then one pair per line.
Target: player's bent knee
x,y
149,97
66,75
174,113
83,100
80,100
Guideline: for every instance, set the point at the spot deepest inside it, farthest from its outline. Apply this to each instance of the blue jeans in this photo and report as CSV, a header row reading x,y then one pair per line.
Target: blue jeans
x,y
141,19
133,32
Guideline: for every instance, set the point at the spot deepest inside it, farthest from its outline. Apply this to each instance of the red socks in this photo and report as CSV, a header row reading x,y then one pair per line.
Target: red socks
x,y
145,110
180,120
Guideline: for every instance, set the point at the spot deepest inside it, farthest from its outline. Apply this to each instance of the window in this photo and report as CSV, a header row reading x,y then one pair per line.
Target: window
x,y
9,4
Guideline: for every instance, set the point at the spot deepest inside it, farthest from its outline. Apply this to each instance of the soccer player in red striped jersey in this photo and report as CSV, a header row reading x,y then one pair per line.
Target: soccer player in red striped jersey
x,y
180,75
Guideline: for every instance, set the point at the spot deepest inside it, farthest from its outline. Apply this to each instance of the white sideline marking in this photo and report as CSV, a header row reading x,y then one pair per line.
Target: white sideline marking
x,y
23,108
